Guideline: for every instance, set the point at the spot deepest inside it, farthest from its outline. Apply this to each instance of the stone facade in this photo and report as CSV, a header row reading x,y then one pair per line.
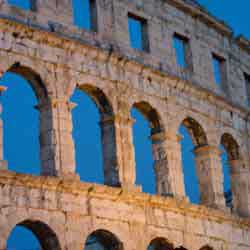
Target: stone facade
x,y
43,46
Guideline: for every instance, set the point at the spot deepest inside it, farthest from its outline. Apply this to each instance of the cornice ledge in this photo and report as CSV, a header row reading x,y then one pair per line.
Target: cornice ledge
x,y
111,55
243,43
117,194
202,14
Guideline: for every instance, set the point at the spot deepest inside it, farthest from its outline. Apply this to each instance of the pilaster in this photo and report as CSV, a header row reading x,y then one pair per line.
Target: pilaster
x,y
168,164
210,176
122,153
239,185
111,161
56,142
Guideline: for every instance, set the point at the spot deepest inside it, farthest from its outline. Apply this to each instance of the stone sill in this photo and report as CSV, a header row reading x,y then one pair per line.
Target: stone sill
x,y
131,196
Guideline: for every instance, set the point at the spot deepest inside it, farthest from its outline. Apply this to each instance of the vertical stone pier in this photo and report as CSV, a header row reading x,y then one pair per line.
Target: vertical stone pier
x,y
210,176
3,163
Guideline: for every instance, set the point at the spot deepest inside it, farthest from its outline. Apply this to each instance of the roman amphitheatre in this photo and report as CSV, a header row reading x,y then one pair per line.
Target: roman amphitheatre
x,y
43,46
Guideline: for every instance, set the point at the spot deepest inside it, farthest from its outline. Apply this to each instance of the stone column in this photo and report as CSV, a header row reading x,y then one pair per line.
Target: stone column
x,y
239,186
210,176
168,164
56,142
111,162
118,151
161,166
3,163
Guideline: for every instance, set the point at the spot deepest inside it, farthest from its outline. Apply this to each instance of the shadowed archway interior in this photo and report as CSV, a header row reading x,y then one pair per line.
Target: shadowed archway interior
x,y
103,240
46,238
193,136
150,155
160,244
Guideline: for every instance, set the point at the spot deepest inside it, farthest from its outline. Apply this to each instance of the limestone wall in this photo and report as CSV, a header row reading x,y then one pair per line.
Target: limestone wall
x,y
74,210
206,36
56,58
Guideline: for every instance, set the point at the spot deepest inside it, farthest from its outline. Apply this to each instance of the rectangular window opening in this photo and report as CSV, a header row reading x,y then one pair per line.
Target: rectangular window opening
x,y
247,81
182,51
85,14
219,70
138,32
26,5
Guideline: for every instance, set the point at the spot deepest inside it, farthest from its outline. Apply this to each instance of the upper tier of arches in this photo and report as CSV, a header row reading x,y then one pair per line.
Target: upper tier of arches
x,y
114,102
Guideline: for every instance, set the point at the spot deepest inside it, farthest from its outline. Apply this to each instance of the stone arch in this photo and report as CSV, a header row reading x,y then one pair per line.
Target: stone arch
x,y
99,97
207,161
102,239
45,235
207,247
199,140
45,106
108,133
195,131
178,115
160,243
158,140
231,146
238,173
33,78
151,115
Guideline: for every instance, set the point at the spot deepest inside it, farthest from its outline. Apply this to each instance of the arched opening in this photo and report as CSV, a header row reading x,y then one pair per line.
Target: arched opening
x,y
31,234
33,79
150,155
103,240
94,136
160,244
193,136
227,190
232,166
21,119
206,248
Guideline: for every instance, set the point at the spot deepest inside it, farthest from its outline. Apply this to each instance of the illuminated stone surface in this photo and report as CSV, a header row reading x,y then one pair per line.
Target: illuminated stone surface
x,y
55,57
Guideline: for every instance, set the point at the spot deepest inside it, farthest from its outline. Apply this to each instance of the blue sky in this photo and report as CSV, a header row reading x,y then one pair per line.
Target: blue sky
x,y
21,124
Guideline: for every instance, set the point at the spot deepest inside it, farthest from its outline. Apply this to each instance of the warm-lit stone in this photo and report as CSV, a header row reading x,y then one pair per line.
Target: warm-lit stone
x,y
55,57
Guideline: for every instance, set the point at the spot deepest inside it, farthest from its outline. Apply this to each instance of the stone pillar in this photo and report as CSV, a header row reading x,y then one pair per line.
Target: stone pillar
x,y
239,186
3,163
161,166
118,151
111,162
56,142
210,176
168,164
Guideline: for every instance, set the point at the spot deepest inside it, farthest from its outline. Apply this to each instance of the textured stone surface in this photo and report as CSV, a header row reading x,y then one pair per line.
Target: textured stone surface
x,y
56,58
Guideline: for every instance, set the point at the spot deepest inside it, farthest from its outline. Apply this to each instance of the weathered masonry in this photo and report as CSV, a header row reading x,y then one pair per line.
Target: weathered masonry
x,y
44,46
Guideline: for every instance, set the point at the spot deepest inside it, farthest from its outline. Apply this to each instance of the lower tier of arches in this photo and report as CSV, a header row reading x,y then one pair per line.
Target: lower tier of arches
x,y
66,215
